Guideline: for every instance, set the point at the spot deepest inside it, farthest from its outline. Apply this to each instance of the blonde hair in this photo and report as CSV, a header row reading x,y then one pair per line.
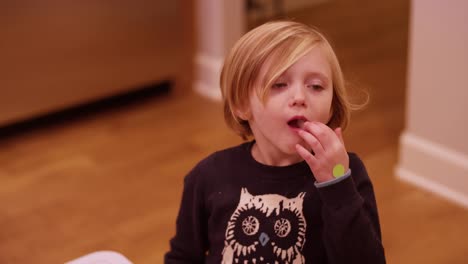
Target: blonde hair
x,y
283,42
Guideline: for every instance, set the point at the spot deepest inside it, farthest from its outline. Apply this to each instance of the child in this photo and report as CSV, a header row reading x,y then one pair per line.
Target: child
x,y
293,194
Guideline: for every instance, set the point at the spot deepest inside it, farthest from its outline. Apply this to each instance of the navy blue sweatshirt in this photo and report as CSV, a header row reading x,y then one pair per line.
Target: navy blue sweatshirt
x,y
237,210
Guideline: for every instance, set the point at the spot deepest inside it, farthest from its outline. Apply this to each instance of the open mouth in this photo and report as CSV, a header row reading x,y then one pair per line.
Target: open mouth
x,y
297,122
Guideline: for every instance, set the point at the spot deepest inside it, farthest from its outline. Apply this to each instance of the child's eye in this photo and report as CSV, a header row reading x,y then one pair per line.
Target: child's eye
x,y
316,87
279,85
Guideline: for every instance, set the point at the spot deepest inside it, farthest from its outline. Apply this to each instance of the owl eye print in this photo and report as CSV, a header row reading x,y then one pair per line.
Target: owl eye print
x,y
282,227
266,228
250,225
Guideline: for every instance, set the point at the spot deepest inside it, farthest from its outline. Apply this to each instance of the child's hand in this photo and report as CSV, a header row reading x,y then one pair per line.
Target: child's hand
x,y
328,148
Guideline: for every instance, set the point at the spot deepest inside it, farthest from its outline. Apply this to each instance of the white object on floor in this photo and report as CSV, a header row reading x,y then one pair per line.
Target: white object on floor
x,y
101,257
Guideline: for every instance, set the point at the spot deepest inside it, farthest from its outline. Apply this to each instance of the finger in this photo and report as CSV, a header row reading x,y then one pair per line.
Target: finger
x,y
307,156
333,137
322,133
313,142
339,133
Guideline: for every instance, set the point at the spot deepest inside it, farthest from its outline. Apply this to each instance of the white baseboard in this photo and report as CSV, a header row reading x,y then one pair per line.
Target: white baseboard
x,y
433,167
208,70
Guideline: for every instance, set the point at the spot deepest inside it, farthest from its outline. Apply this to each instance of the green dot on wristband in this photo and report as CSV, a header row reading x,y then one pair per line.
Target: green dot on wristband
x,y
338,171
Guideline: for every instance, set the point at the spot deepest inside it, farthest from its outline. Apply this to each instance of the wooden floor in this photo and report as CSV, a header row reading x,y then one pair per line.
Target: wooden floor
x,y
112,180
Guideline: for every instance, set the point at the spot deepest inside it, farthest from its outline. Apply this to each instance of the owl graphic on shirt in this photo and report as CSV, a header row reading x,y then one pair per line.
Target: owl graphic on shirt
x,y
267,228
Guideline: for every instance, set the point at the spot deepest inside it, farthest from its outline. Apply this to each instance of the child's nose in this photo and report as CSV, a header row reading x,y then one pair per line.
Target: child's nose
x,y
297,96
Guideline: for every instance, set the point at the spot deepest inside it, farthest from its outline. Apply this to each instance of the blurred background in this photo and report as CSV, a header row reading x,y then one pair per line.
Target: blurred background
x,y
106,105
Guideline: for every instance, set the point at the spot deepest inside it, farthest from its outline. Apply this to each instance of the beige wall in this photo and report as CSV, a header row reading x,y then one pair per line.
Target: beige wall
x,y
219,24
434,146
439,73
209,27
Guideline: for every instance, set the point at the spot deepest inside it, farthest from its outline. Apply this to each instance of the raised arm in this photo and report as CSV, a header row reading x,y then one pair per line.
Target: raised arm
x,y
351,222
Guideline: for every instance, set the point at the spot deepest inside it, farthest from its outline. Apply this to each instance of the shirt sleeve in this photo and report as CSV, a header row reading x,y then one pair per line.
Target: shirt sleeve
x,y
333,181
351,231
190,241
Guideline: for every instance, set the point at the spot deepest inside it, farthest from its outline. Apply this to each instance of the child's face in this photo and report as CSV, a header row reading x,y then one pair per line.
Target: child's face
x,y
303,92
